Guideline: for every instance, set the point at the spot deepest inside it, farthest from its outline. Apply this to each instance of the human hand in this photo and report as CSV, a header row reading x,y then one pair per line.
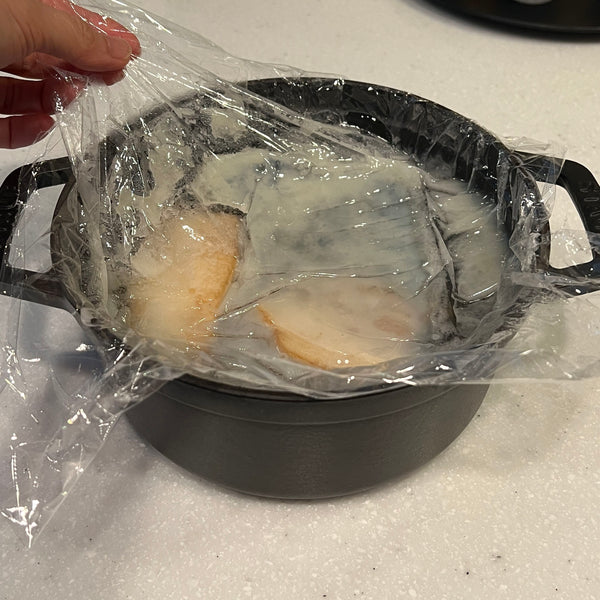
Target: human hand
x,y
39,35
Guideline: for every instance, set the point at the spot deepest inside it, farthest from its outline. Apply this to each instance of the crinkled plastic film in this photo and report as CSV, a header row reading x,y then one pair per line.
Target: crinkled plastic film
x,y
253,227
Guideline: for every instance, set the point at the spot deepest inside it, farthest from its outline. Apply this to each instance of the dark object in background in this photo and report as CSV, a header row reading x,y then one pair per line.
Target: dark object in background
x,y
561,16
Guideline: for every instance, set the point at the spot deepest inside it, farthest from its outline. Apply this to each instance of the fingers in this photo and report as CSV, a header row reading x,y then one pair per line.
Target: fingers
x,y
38,66
16,132
41,66
18,97
107,25
63,34
39,36
34,101
66,36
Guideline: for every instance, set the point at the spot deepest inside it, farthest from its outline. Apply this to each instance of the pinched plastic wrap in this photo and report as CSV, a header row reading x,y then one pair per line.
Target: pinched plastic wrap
x,y
253,227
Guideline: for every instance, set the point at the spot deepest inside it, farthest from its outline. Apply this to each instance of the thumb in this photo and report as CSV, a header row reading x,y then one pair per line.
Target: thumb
x,y
67,36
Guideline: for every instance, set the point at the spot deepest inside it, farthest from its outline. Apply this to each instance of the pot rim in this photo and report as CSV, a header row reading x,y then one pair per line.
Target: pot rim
x,y
244,405
321,83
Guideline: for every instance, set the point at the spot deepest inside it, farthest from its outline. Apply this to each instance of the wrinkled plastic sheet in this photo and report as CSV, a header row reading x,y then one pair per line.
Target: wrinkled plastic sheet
x,y
251,226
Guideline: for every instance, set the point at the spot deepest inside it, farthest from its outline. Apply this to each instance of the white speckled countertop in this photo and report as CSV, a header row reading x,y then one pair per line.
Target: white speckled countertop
x,y
508,511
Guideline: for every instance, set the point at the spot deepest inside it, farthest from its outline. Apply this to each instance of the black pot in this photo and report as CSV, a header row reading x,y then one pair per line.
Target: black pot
x,y
292,446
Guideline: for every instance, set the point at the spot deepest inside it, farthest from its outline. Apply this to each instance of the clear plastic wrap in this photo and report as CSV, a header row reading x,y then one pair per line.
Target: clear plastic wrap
x,y
247,225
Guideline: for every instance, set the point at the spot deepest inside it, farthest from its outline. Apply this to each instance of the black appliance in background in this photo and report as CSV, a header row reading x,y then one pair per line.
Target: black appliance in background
x,y
560,16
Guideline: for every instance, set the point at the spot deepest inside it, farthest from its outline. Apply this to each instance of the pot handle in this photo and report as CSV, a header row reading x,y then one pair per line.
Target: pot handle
x,y
584,192
16,190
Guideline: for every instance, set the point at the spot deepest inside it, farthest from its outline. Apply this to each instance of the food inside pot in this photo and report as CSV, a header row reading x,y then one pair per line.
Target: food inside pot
x,y
343,322
180,276
329,249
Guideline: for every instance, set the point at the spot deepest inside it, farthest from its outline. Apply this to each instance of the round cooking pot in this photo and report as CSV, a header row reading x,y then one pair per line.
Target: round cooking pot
x,y
293,446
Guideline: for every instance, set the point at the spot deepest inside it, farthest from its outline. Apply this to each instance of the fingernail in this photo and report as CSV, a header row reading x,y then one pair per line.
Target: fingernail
x,y
118,48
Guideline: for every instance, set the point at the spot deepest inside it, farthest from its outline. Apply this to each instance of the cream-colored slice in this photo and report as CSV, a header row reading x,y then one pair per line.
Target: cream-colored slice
x,y
334,323
181,276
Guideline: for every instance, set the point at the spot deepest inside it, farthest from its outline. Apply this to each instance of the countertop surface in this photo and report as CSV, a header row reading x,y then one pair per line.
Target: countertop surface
x,y
510,510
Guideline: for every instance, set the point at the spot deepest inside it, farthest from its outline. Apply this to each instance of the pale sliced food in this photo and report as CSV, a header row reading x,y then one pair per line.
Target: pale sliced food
x,y
181,275
339,322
